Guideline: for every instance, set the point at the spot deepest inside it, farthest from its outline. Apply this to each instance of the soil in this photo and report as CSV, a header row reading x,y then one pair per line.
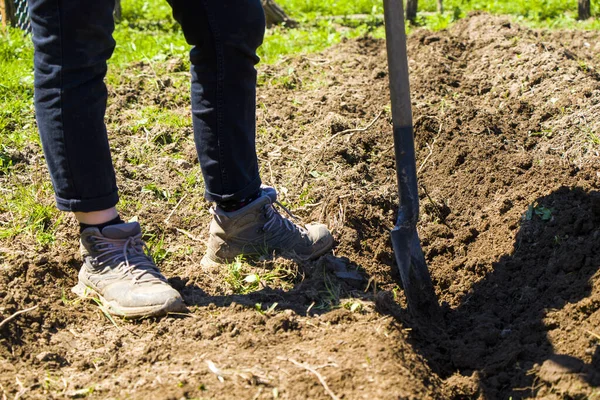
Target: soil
x,y
507,151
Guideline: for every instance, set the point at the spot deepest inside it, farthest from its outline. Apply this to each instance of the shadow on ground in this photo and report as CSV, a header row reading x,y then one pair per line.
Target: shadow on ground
x,y
506,338
318,288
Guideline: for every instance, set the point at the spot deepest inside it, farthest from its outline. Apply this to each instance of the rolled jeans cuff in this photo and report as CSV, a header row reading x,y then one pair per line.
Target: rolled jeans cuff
x,y
88,205
246,192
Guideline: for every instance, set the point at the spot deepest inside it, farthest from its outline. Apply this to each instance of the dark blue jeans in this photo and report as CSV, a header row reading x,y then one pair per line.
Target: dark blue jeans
x,y
73,40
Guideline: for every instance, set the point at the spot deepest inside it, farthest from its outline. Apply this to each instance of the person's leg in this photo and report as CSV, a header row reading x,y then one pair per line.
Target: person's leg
x,y
73,40
225,35
97,217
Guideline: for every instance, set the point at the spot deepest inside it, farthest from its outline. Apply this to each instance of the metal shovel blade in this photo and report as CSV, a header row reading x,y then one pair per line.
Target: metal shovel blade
x,y
405,240
418,288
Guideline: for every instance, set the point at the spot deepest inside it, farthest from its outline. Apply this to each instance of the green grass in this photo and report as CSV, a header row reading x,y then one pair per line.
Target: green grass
x,y
319,35
536,10
534,13
244,278
154,116
549,13
148,34
17,125
29,213
331,7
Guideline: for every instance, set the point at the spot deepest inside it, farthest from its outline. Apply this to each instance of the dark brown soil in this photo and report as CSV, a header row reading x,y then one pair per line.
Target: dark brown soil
x,y
507,144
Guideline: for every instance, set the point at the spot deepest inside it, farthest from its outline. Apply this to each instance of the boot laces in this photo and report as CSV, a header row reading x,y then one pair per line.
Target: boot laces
x,y
130,255
275,220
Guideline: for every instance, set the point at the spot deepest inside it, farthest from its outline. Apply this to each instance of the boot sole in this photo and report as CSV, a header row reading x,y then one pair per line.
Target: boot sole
x,y
210,262
170,306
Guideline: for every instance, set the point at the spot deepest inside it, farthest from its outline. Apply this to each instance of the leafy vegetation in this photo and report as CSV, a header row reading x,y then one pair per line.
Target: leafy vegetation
x,y
148,33
244,278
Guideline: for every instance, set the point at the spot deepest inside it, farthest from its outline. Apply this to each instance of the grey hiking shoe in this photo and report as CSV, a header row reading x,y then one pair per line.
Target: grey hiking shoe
x,y
258,230
117,269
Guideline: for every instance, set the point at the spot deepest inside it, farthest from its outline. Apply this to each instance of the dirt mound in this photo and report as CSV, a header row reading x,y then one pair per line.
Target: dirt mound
x,y
507,147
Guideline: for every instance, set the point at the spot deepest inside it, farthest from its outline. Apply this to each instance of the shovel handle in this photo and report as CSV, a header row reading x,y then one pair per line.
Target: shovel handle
x,y
404,147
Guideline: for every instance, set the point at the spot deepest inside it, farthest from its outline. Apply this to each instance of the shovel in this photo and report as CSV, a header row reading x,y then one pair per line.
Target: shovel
x,y
418,288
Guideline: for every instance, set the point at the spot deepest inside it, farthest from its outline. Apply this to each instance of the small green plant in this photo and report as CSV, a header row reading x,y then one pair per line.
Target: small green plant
x,y
89,294
270,310
354,306
245,278
395,292
534,209
558,240
5,164
546,133
160,194
330,297
305,196
157,248
593,138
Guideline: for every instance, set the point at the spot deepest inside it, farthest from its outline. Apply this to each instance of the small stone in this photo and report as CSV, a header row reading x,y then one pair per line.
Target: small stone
x,y
45,356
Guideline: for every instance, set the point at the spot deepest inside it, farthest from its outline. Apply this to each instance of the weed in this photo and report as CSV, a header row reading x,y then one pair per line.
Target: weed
x,y
245,278
160,194
157,248
330,297
105,311
158,117
593,137
305,197
193,179
546,133
395,291
534,209
29,214
6,161
583,66
88,294
270,310
353,305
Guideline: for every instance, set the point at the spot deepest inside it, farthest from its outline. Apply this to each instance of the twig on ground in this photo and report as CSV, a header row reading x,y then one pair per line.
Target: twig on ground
x,y
257,395
184,372
323,145
317,62
16,315
186,233
215,370
325,365
354,130
3,392
593,334
271,172
187,315
21,391
426,158
175,208
314,372
245,374
433,203
308,206
159,83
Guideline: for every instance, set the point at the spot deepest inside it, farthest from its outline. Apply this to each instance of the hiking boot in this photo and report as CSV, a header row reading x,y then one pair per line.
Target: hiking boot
x,y
259,230
117,269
